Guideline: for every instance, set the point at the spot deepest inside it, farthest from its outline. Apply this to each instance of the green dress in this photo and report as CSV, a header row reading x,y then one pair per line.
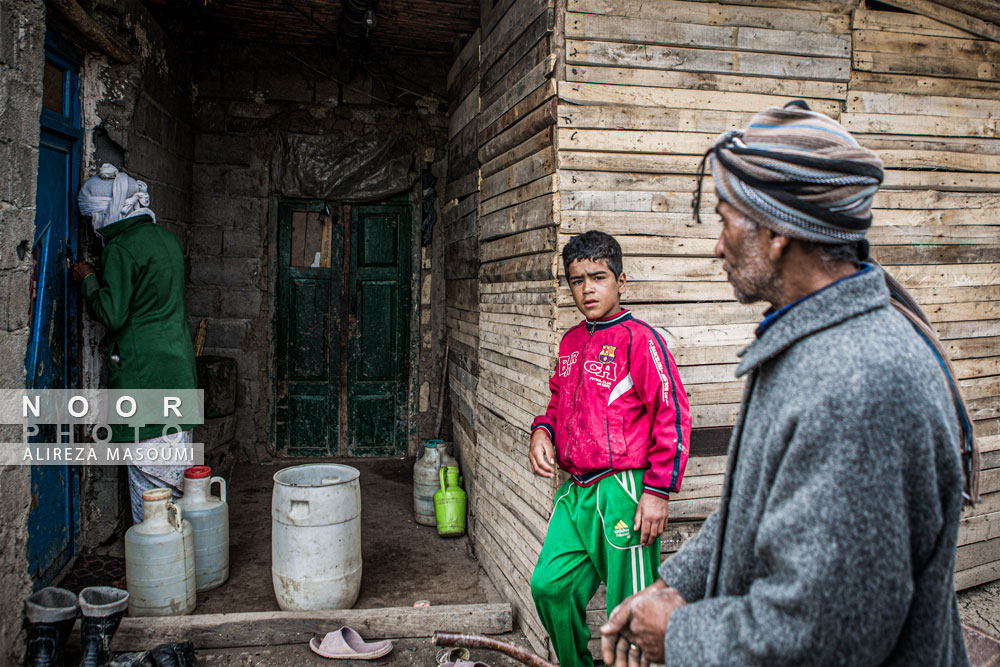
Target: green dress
x,y
140,299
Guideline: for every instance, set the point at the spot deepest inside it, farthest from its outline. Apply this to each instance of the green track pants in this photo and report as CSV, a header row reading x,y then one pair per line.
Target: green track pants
x,y
589,540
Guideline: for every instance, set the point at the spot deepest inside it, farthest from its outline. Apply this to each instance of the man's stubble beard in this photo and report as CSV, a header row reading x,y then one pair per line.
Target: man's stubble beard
x,y
757,280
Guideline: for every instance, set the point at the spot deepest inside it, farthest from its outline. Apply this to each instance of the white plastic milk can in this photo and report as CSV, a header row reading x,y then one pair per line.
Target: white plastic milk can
x,y
159,559
209,517
426,483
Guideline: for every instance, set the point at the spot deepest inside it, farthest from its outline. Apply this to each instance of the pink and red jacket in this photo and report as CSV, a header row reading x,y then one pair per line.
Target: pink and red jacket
x,y
618,404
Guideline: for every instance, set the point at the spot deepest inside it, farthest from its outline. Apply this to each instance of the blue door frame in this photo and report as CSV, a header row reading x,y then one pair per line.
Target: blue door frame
x,y
51,359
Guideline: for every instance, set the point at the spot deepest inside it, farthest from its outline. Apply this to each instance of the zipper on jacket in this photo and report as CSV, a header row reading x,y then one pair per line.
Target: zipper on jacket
x,y
579,379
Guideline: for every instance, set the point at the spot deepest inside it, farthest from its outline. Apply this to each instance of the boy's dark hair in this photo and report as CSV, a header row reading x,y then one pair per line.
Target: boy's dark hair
x,y
595,246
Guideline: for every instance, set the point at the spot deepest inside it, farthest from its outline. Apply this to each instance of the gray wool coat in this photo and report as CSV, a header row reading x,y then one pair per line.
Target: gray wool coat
x,y
834,543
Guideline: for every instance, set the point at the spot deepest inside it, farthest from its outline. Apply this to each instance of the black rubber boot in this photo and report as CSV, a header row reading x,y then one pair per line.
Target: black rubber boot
x,y
49,615
102,608
179,654
142,659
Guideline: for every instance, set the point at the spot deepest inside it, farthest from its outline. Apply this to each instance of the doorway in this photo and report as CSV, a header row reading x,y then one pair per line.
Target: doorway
x,y
342,328
50,362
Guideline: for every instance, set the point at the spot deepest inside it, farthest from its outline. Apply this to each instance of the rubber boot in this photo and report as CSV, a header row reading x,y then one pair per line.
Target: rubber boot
x,y
136,659
50,614
102,608
178,654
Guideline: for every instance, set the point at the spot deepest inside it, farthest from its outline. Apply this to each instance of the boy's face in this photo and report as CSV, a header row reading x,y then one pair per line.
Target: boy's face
x,y
596,291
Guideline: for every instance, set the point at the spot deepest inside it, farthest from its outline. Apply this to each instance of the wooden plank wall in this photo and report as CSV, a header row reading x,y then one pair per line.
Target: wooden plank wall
x,y
647,88
460,216
518,222
926,96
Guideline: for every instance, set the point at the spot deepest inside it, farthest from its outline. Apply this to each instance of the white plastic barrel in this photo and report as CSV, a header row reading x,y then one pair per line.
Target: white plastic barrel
x,y
316,537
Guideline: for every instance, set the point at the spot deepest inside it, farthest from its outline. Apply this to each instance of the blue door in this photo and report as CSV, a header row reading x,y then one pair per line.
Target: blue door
x,y
50,363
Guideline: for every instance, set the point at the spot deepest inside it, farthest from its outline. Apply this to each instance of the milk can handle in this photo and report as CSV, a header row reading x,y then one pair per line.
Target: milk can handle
x,y
180,516
441,477
222,487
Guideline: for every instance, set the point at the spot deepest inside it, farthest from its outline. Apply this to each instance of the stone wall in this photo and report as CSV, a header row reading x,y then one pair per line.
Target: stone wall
x,y
246,96
22,39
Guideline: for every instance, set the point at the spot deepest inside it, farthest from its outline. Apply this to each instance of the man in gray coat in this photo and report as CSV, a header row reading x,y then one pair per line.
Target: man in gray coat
x,y
834,543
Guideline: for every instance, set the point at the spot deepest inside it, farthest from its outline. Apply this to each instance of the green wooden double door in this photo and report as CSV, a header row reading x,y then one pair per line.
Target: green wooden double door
x,y
342,351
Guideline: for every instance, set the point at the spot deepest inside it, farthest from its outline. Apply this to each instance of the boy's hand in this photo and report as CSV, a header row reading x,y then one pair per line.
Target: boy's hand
x,y
541,454
651,515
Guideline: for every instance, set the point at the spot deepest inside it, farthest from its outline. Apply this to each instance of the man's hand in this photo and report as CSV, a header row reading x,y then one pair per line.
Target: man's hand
x,y
541,455
81,270
613,632
633,635
651,515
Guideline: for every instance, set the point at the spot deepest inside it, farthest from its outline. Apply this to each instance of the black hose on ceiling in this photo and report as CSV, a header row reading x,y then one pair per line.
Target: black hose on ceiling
x,y
351,29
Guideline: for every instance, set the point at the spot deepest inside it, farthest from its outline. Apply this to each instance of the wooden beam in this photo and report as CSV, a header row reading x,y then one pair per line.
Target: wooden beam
x,y
949,16
91,29
270,628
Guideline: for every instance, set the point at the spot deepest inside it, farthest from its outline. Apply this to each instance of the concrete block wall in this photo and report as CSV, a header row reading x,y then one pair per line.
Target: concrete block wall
x,y
142,110
244,97
22,41
137,116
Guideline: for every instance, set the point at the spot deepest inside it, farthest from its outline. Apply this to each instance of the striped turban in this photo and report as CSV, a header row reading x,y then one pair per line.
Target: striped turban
x,y
799,173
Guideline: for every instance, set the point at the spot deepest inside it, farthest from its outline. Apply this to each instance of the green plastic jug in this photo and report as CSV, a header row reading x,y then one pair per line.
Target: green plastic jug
x,y
449,503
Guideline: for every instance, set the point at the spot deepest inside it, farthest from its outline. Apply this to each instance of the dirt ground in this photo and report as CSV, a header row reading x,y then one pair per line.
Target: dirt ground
x,y
402,562
980,606
405,653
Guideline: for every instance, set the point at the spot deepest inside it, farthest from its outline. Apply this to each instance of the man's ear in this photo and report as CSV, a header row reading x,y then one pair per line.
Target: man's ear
x,y
621,282
776,244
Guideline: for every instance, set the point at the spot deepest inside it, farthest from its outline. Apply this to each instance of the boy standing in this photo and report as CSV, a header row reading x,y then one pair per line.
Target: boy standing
x,y
620,423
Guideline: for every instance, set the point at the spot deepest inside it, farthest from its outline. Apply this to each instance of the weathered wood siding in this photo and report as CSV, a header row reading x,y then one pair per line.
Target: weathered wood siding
x,y
461,260
648,86
501,222
926,96
570,115
518,219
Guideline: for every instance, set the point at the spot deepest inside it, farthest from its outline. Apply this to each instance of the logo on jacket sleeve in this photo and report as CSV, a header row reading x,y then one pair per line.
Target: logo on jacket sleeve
x,y
622,530
664,380
607,354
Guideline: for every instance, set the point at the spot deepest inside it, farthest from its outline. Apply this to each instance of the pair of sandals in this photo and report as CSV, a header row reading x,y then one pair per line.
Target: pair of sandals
x,y
347,644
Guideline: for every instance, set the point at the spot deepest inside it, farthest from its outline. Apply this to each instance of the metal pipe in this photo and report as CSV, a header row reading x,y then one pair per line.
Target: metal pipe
x,y
480,641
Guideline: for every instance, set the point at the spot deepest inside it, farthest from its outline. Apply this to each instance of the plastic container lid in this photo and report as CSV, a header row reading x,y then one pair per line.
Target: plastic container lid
x,y
433,443
156,494
198,472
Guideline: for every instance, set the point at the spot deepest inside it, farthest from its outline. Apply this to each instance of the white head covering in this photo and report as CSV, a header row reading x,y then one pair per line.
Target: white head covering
x,y
111,195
